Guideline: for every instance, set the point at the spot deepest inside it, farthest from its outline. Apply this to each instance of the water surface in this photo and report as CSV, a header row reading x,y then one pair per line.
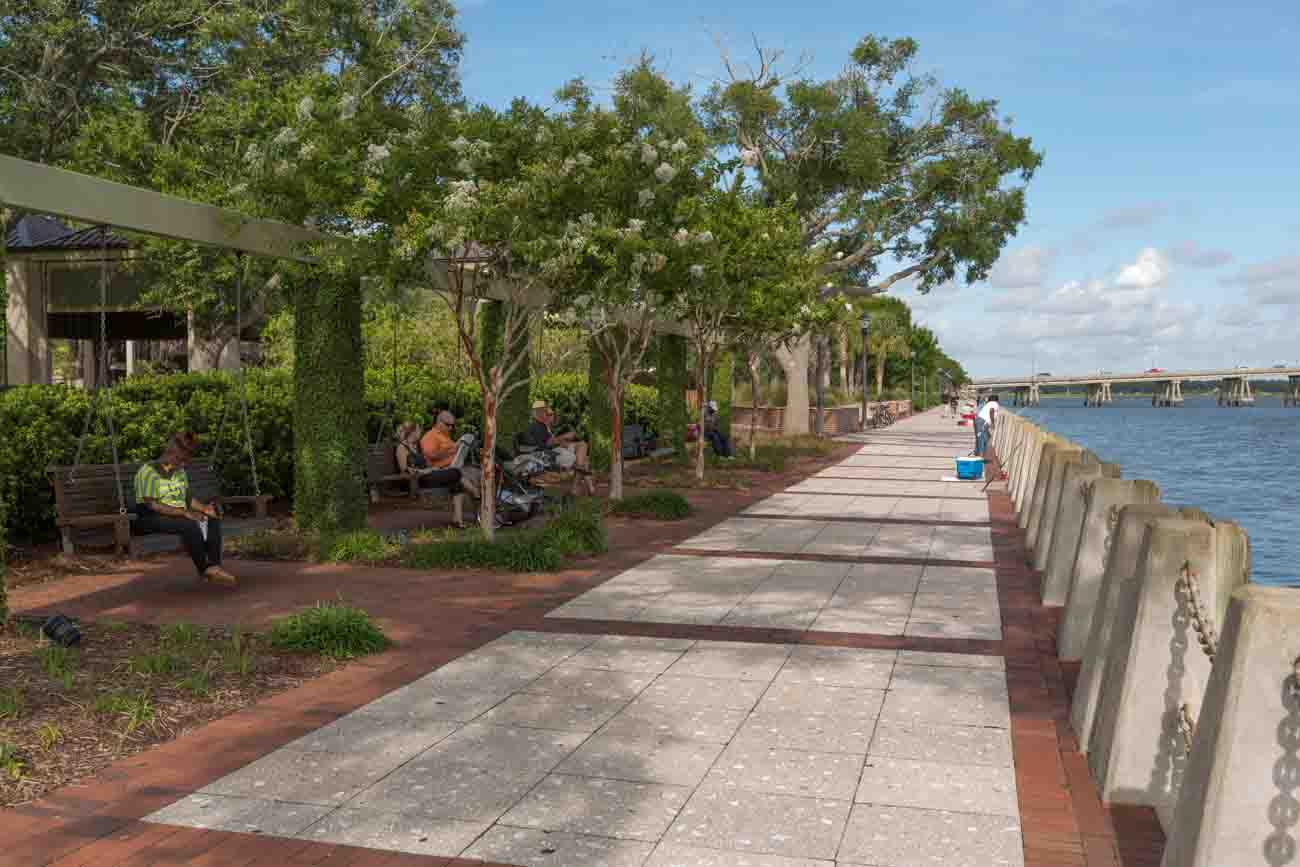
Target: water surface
x,y
1238,463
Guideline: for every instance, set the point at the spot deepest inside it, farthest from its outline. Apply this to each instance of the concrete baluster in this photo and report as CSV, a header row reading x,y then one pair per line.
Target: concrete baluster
x,y
1041,537
1238,803
1106,497
1157,671
1121,569
1033,459
1067,532
1047,455
1028,457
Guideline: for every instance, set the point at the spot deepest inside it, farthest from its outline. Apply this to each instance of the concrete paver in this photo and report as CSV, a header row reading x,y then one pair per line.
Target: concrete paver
x,y
552,748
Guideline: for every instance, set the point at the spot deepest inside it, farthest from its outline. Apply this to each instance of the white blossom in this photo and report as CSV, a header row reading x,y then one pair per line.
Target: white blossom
x,y
682,237
457,114
645,198
665,173
253,156
543,136
376,153
697,271
635,226
285,137
658,261
649,154
460,145
305,107
749,157
679,147
804,309
839,254
584,159
348,107
465,167
239,189
307,151
462,195
587,221
638,263
705,237
282,168
848,306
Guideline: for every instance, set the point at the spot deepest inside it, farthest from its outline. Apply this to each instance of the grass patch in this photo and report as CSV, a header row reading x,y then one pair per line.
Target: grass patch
x,y
11,764
330,629
271,545
360,546
659,505
569,533
11,703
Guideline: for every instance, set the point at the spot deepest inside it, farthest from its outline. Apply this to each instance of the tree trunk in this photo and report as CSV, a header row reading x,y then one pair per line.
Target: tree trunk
x,y
752,362
880,376
487,504
846,381
794,362
513,414
702,361
821,385
329,426
674,415
615,391
824,361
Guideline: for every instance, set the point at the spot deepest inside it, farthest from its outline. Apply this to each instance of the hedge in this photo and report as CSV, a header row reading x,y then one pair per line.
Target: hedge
x,y
41,424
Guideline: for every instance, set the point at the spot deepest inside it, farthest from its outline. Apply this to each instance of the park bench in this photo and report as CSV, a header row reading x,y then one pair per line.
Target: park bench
x,y
86,511
382,473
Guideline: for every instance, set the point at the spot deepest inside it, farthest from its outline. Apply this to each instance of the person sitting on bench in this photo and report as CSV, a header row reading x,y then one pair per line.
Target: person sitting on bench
x,y
412,462
563,451
713,432
439,450
164,505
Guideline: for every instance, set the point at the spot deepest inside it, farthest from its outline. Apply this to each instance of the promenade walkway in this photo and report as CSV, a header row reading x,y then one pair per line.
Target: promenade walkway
x,y
851,672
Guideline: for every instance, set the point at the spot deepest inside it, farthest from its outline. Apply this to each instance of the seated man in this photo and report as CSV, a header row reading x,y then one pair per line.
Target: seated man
x,y
713,432
563,451
439,450
411,462
164,504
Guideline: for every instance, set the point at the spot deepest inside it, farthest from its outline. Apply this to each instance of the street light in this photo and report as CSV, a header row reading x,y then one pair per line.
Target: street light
x,y
864,322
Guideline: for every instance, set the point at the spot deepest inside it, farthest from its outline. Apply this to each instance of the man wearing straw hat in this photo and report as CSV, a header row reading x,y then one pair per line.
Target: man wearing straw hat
x,y
563,451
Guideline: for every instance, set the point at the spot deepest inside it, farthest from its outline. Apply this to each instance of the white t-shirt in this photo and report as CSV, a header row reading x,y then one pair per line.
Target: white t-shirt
x,y
986,414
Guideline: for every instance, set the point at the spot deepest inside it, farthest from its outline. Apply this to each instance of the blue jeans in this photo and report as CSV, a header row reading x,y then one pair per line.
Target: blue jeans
x,y
981,436
721,447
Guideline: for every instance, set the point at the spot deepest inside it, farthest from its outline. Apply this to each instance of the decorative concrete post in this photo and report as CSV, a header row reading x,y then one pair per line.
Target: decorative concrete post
x,y
1121,569
1033,456
1238,804
1106,497
1027,460
1041,539
1156,673
1068,529
1047,454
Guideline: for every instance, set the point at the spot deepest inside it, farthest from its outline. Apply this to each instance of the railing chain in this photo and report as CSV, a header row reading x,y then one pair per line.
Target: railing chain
x,y
1201,621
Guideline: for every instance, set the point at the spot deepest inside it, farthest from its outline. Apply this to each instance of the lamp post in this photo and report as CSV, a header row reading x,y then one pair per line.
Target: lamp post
x,y
864,322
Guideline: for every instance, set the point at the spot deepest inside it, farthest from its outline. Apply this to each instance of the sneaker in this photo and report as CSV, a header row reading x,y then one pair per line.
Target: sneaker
x,y
217,575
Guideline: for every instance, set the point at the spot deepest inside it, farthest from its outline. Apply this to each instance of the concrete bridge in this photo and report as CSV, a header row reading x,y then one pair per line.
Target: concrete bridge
x,y
1234,385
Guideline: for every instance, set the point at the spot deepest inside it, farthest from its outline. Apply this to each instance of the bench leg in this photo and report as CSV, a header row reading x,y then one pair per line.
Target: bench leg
x,y
122,537
374,493
69,546
260,507
458,508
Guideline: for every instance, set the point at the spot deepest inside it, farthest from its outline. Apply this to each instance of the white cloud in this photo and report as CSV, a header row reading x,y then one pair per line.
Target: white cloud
x,y
1134,217
1015,299
1192,255
1023,268
1275,281
1149,271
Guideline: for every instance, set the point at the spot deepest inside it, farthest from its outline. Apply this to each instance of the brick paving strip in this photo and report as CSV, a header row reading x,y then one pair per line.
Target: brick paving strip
x,y
779,703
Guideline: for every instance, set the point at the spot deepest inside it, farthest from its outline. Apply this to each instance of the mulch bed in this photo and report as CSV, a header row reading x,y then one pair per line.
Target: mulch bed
x,y
122,690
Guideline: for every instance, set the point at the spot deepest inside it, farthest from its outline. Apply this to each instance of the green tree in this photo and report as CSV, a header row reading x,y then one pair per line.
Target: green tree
x,y
893,177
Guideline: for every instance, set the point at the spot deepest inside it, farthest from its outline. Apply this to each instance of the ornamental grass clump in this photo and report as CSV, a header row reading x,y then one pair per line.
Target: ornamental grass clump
x,y
569,533
330,629
657,505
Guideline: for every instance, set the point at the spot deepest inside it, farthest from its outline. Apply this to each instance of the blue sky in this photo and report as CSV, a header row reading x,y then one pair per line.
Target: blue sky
x,y
1163,225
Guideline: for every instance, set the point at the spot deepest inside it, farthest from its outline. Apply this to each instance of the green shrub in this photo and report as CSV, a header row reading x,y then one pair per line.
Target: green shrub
x,y
271,545
660,505
577,530
329,629
359,546
568,533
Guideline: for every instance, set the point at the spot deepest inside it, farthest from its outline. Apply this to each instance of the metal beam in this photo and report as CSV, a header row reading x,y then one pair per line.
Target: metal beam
x,y
35,187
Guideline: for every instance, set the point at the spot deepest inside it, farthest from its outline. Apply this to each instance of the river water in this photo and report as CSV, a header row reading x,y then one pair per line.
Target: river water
x,y
1238,463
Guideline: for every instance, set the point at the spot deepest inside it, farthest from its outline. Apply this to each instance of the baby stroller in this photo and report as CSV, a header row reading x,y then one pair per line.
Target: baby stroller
x,y
517,499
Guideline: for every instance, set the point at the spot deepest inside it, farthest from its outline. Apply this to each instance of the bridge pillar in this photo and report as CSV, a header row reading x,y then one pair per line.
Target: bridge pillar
x,y
1292,395
1168,393
1098,394
1235,391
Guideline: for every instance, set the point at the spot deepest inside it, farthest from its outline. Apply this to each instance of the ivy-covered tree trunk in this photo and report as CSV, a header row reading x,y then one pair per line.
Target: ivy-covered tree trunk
x,y
4,380
722,389
599,414
329,405
513,412
703,358
674,414
752,364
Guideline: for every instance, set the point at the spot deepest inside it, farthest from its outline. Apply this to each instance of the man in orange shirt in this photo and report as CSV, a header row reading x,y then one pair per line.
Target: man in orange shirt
x,y
439,449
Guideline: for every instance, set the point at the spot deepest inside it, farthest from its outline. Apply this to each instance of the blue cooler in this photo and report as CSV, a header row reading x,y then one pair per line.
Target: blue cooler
x,y
970,468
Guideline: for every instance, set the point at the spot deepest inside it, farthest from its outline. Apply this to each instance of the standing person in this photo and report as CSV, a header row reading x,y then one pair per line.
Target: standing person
x,y
164,505
713,432
564,451
984,423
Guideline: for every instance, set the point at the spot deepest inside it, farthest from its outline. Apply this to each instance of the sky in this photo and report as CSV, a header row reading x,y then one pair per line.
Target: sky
x,y
1162,228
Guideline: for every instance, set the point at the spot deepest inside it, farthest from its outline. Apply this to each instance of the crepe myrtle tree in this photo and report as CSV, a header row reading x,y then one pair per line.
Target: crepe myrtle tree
x,y
896,177
485,234
617,267
747,271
